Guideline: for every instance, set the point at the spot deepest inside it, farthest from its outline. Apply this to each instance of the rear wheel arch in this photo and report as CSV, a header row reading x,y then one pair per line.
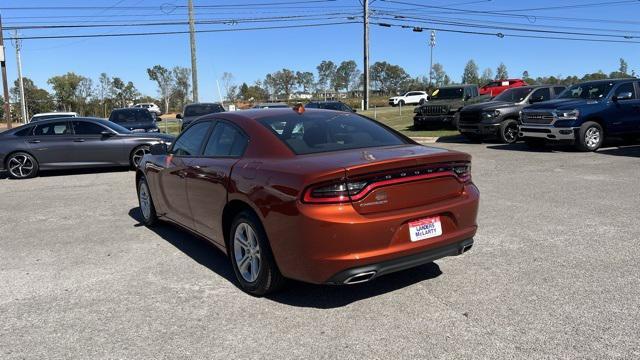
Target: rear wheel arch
x,y
4,161
230,211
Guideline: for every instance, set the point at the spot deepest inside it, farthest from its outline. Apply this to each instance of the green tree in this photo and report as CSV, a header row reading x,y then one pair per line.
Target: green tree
x,y
501,72
38,100
487,76
347,75
326,75
165,80
470,75
388,78
438,75
305,80
65,89
624,67
182,85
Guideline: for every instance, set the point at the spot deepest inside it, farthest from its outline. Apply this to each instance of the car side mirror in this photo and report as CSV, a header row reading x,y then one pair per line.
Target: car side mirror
x,y
623,96
178,116
159,149
106,133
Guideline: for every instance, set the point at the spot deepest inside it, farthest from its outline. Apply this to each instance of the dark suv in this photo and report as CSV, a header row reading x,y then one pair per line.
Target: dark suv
x,y
584,114
499,117
194,111
134,119
442,108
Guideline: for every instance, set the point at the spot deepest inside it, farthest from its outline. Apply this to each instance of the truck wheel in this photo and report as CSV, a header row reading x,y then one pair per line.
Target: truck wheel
x,y
509,131
590,136
535,143
422,101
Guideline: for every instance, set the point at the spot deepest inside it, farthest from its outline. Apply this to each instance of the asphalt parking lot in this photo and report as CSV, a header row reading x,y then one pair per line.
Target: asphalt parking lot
x,y
553,274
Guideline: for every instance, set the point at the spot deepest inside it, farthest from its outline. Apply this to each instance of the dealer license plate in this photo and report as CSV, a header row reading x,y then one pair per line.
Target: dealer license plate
x,y
425,228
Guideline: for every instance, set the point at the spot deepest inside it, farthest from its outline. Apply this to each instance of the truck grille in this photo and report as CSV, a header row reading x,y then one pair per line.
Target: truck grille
x,y
469,117
541,118
434,110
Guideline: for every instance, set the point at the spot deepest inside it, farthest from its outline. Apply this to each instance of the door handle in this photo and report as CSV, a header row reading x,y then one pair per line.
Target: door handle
x,y
78,140
34,141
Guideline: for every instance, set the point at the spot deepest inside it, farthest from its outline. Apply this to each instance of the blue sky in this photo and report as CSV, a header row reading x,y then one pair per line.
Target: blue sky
x,y
252,54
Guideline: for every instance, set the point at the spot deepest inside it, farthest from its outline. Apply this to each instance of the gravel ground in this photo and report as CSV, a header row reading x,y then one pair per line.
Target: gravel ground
x,y
553,274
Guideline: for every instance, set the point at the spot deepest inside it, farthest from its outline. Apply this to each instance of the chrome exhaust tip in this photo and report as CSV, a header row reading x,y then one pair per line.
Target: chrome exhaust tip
x,y
465,248
360,278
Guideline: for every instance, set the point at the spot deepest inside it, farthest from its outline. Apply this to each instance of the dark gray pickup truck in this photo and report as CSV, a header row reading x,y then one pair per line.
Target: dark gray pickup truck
x,y
442,108
499,117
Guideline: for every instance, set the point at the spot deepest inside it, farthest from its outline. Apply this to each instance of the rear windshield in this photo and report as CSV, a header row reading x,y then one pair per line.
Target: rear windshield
x,y
126,116
322,132
48,117
202,109
513,95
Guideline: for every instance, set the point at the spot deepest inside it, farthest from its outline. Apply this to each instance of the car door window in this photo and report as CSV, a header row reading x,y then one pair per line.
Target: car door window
x,y
53,128
87,128
626,88
225,140
190,142
541,95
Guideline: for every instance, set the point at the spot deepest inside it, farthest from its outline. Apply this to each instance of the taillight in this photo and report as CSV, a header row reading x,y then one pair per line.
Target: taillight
x,y
463,172
333,193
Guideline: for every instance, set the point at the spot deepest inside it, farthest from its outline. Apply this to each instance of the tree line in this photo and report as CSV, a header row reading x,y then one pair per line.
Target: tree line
x,y
73,92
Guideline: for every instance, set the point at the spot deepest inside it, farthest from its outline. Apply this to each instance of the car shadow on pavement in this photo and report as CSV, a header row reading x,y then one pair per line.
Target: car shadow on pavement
x,y
51,173
296,293
200,250
630,150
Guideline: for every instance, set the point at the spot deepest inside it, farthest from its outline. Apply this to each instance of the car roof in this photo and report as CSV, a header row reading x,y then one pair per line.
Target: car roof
x,y
56,113
203,103
129,109
615,81
457,86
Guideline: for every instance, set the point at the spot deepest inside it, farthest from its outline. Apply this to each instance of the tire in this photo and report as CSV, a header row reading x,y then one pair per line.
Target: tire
x,y
535,143
509,131
251,257
147,209
474,138
422,102
401,103
22,165
590,136
137,154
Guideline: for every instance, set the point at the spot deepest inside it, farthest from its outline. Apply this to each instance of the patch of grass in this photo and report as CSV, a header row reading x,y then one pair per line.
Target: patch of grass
x,y
169,126
402,120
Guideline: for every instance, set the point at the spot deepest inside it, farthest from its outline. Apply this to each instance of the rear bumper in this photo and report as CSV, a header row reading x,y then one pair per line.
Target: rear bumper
x,y
322,243
548,132
372,271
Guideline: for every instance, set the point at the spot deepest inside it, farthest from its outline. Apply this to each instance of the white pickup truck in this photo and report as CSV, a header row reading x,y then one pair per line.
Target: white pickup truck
x,y
410,98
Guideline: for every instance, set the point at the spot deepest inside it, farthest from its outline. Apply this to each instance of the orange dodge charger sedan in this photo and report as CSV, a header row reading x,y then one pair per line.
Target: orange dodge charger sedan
x,y
320,196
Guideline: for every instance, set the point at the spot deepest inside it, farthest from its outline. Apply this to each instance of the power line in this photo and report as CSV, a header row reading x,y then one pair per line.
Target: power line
x,y
167,5
180,32
503,35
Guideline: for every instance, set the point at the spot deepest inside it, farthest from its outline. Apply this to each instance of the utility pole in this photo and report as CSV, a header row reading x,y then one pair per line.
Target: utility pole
x,y
3,64
432,44
17,42
365,3
194,65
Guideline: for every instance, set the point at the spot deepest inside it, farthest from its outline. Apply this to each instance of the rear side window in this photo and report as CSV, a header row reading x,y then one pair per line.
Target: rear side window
x,y
225,140
130,116
626,88
543,94
558,90
190,142
321,132
87,128
53,128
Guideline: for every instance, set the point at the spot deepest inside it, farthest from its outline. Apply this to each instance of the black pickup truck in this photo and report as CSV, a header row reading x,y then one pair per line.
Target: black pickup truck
x,y
499,117
442,108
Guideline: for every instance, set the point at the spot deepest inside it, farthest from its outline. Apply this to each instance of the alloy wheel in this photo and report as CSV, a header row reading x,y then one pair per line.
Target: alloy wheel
x,y
247,252
511,133
592,137
138,154
20,166
145,201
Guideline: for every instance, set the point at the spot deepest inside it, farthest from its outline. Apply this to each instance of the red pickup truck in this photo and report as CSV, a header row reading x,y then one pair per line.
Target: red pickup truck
x,y
494,88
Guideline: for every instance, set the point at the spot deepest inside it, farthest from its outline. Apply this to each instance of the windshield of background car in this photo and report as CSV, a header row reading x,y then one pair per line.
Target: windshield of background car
x,y
322,132
117,128
513,95
589,91
200,110
447,93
